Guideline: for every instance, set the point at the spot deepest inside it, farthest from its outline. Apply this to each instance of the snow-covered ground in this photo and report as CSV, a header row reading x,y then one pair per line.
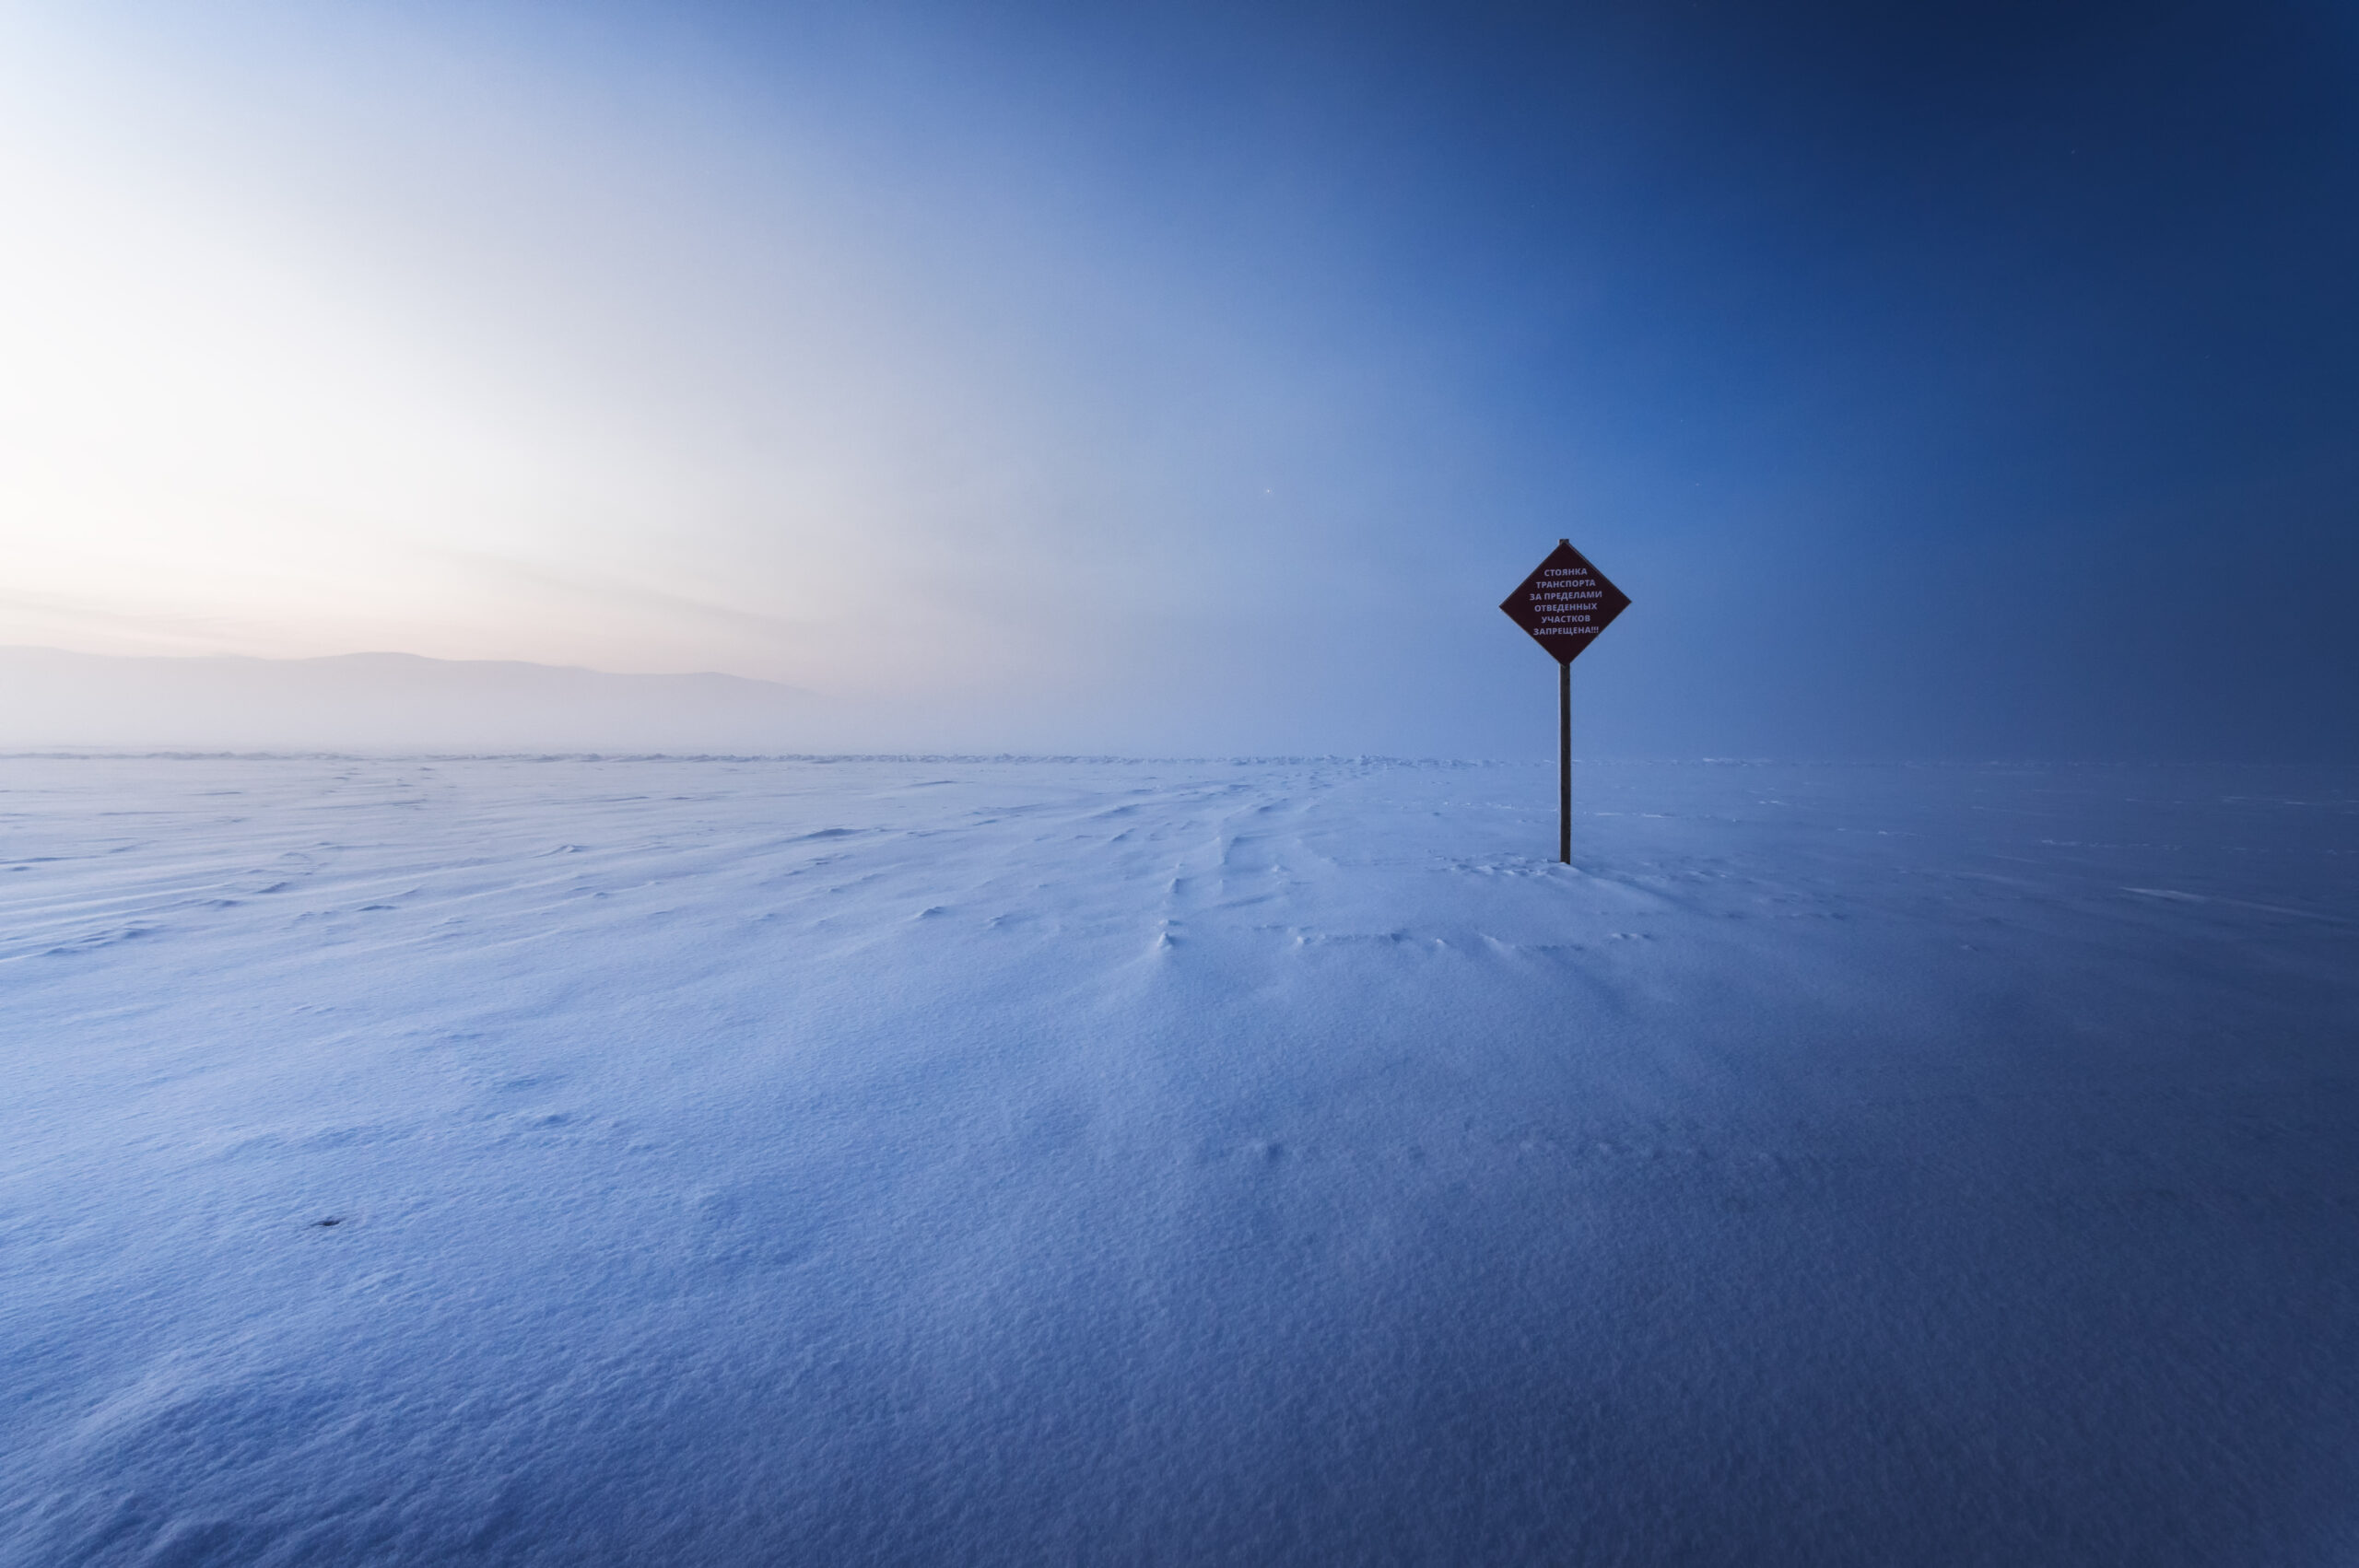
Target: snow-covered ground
x,y
923,1162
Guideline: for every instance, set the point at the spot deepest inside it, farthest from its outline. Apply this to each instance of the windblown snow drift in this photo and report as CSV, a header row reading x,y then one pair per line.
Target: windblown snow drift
x,y
931,1162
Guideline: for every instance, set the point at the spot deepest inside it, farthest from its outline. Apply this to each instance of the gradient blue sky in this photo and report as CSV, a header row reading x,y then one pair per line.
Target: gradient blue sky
x,y
1978,381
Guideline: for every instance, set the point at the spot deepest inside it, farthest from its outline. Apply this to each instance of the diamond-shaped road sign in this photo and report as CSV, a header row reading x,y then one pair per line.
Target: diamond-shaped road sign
x,y
1565,602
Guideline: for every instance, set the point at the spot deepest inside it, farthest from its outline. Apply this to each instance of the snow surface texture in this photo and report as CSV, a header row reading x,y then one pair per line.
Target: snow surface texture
x,y
922,1162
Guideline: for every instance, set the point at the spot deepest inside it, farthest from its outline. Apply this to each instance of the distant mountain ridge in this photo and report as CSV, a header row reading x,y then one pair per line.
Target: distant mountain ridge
x,y
51,699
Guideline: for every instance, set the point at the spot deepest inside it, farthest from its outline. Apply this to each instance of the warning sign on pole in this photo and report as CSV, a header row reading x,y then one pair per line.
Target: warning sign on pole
x,y
1565,604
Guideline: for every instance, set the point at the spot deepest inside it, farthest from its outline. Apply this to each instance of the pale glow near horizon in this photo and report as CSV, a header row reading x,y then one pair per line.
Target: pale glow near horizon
x,y
490,375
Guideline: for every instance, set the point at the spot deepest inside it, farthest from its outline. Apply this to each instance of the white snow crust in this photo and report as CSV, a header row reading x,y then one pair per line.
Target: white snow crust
x,y
938,1162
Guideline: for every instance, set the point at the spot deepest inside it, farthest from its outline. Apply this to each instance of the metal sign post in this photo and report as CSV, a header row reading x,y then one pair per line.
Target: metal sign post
x,y
1564,604
1565,763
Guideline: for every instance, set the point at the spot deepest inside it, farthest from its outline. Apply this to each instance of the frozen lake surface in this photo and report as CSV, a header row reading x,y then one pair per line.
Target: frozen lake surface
x,y
930,1163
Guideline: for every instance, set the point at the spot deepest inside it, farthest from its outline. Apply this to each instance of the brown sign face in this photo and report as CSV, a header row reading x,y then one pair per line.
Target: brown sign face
x,y
1565,604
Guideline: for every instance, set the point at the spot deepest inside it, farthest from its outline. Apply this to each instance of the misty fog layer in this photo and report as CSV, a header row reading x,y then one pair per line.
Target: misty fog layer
x,y
1942,381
